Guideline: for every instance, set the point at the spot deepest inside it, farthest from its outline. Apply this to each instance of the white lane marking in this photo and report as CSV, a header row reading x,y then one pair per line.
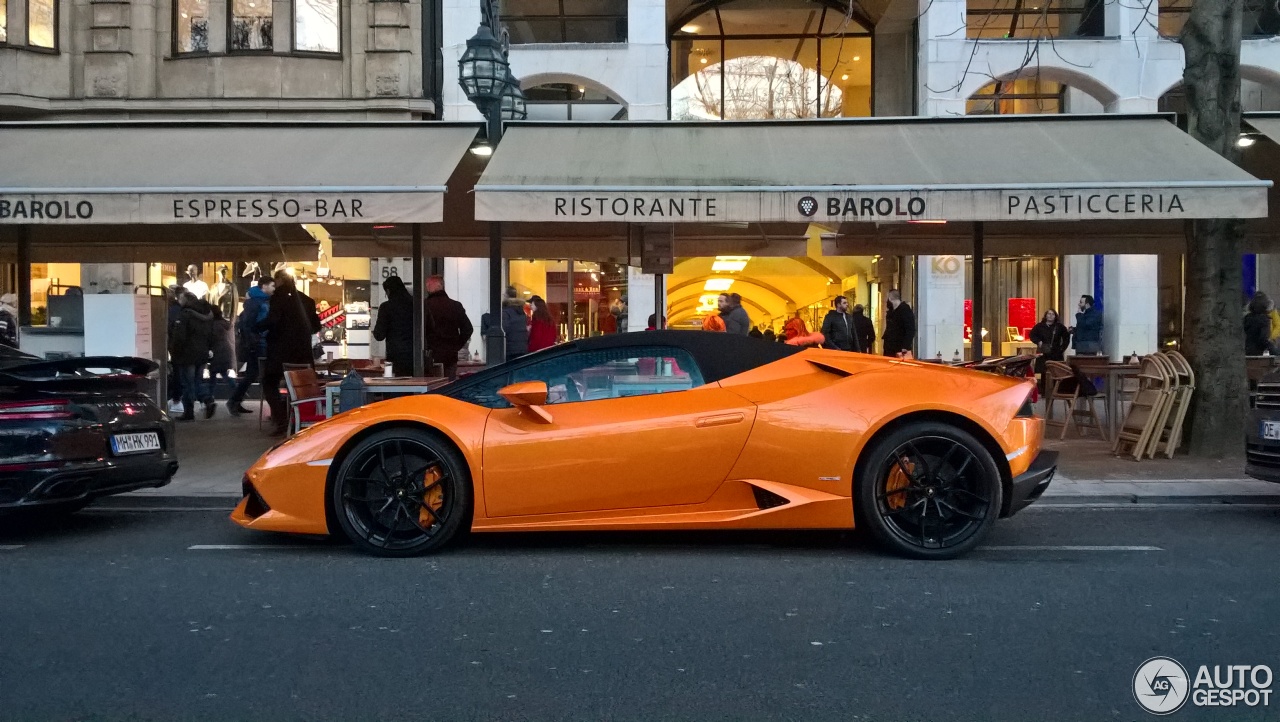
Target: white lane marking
x,y
231,547
10,547
1147,506
1071,548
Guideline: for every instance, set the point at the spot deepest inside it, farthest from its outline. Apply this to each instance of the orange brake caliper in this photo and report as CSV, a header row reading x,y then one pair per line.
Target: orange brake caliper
x,y
898,479
434,498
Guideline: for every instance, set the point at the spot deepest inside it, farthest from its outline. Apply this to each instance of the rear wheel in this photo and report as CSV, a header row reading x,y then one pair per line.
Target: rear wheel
x,y
402,492
928,491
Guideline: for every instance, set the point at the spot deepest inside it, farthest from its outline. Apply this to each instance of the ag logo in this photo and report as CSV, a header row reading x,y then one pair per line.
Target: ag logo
x,y
1161,685
808,206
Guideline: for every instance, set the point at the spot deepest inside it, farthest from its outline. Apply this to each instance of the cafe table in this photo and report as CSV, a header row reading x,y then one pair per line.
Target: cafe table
x,y
383,386
1115,374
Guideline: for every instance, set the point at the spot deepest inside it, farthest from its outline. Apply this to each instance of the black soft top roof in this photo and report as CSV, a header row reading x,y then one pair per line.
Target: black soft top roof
x,y
718,355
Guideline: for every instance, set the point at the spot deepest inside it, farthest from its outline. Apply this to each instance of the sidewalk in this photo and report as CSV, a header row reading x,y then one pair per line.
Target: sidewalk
x,y
213,455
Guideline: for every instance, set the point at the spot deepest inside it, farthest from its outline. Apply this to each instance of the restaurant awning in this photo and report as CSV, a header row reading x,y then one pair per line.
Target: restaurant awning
x,y
995,168
227,173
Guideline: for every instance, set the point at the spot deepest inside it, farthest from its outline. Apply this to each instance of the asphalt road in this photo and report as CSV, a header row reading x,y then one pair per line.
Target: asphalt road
x,y
113,616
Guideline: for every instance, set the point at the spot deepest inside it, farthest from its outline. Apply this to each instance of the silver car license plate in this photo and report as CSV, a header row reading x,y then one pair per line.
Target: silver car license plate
x,y
1271,430
138,443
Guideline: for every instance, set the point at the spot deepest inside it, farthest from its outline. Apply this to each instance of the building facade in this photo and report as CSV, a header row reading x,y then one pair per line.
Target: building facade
x,y
693,60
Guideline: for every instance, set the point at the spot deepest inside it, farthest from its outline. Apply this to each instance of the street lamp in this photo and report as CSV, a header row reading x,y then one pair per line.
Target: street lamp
x,y
484,72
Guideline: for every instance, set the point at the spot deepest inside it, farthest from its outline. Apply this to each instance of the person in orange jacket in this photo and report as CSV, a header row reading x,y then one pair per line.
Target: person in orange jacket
x,y
795,327
713,322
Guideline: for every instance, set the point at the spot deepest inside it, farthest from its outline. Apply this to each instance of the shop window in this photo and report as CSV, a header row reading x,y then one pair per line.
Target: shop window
x,y
566,21
787,59
42,18
191,26
316,26
1017,97
613,374
1035,18
251,26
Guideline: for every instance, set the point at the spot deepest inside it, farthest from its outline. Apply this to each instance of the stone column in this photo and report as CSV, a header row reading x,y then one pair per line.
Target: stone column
x,y
107,58
1130,306
940,306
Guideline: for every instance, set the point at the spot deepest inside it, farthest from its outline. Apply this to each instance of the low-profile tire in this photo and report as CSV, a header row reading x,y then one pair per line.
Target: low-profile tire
x,y
402,492
927,490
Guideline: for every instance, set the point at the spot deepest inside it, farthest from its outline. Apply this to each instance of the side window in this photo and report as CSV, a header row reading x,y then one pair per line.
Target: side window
x,y
613,373
484,393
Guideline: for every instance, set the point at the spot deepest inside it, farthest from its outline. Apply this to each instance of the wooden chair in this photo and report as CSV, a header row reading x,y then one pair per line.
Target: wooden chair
x,y
306,398
1139,424
1169,434
1079,410
1166,404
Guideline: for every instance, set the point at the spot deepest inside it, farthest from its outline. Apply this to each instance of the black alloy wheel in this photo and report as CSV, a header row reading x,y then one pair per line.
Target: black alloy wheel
x,y
928,491
402,492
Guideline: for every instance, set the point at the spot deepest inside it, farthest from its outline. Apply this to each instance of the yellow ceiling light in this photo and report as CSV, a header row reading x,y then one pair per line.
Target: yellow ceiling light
x,y
718,284
690,29
729,264
707,302
844,77
856,58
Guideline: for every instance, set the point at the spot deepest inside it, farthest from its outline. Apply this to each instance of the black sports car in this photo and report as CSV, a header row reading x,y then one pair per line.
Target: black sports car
x,y
76,429
1262,434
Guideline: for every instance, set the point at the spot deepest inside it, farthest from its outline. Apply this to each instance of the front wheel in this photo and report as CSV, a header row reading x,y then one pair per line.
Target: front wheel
x,y
402,492
928,491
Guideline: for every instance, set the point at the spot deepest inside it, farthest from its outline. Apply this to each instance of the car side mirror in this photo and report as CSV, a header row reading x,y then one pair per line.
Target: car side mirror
x,y
529,397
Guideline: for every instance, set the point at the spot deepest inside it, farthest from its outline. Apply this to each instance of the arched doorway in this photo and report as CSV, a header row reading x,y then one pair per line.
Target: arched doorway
x,y
572,101
763,59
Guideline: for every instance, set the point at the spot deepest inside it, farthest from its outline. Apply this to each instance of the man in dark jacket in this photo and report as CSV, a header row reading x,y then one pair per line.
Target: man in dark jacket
x,y
1257,327
289,324
1086,335
864,329
190,341
899,325
395,325
251,345
450,329
515,324
838,328
734,315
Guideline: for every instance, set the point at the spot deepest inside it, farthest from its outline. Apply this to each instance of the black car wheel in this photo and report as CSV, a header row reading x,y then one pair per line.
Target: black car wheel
x,y
402,492
928,491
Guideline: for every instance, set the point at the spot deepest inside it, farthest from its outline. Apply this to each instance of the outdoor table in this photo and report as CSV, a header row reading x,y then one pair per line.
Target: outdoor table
x,y
1115,374
383,386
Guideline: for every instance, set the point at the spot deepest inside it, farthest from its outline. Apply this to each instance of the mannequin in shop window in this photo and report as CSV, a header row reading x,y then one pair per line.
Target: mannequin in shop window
x,y
222,295
194,284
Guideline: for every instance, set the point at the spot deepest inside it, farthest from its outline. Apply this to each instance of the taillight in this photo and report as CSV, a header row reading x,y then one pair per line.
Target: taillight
x,y
35,410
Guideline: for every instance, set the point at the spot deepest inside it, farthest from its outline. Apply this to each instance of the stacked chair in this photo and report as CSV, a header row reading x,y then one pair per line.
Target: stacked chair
x,y
1159,408
1078,410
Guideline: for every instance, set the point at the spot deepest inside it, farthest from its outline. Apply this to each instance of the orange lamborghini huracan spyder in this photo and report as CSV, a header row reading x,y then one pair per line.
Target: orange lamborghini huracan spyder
x,y
668,430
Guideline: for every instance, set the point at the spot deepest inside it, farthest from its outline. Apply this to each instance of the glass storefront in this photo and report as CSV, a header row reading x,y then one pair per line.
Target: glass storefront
x,y
585,298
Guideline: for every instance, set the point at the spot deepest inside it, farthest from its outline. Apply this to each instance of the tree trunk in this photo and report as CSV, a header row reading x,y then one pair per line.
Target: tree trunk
x,y
1214,332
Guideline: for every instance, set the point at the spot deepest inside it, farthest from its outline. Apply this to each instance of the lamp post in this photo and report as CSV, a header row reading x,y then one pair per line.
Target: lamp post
x,y
484,72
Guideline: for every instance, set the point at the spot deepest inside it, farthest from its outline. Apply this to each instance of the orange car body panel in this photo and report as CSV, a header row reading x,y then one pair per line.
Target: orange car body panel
x,y
694,459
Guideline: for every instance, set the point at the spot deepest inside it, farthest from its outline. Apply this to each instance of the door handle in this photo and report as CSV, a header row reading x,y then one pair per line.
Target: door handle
x,y
719,420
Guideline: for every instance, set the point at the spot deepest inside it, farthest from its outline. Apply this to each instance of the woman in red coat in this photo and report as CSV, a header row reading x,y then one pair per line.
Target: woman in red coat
x,y
542,332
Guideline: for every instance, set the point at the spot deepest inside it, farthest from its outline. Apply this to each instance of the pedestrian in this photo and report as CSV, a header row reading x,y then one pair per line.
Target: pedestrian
x,y
174,314
395,325
736,319
864,330
838,330
542,329
755,333
1087,333
769,335
1275,320
9,320
1257,327
190,342
653,322
220,356
1051,338
795,327
515,324
250,343
713,322
288,326
450,328
899,325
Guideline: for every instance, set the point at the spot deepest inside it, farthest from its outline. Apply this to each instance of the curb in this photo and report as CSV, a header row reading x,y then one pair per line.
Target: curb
x,y
1160,499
